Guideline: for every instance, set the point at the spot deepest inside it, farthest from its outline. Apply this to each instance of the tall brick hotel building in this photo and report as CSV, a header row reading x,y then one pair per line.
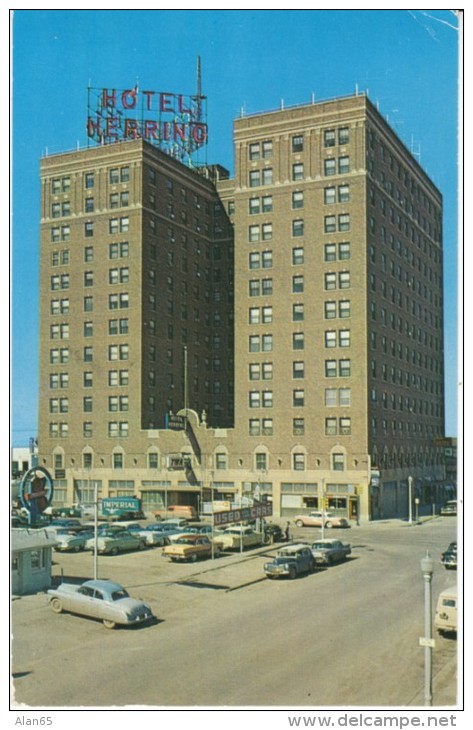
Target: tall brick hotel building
x,y
294,313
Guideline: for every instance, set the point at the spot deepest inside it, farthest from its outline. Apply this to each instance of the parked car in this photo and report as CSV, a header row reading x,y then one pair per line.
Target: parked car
x,y
65,523
234,537
110,541
329,551
184,511
449,509
316,518
73,511
102,599
291,561
167,531
151,537
449,557
273,533
191,547
68,540
446,611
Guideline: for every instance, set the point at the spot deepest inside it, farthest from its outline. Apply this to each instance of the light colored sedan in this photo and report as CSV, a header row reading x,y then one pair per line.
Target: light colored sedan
x,y
102,599
151,537
237,536
112,542
329,551
67,540
316,518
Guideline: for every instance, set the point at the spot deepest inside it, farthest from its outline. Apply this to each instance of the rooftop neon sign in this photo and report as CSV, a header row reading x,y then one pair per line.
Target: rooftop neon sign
x,y
173,122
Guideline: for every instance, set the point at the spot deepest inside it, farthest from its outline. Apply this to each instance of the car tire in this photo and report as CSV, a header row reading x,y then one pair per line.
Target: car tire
x,y
109,624
194,558
299,523
76,548
328,525
114,551
292,573
141,546
56,605
217,553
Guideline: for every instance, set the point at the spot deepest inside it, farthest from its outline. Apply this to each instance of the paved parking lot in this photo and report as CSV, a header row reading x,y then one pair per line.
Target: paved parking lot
x,y
203,608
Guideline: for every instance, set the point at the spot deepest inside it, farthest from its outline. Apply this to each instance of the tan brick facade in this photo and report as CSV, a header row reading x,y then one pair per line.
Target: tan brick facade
x,y
337,271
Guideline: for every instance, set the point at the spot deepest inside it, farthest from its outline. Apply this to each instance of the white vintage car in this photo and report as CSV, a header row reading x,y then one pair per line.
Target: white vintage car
x,y
329,551
101,599
239,536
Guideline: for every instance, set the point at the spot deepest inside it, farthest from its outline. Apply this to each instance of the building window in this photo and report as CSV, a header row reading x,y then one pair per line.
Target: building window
x,y
298,369
330,167
298,397
330,397
344,280
330,281
344,308
298,143
89,180
344,222
254,206
297,256
267,149
298,341
221,461
297,284
298,228
297,312
343,165
345,426
254,178
297,199
330,310
267,176
298,171
343,193
330,224
329,138
330,426
267,231
344,251
344,368
329,195
343,135
88,229
254,234
254,151
330,338
117,460
298,462
344,338
298,426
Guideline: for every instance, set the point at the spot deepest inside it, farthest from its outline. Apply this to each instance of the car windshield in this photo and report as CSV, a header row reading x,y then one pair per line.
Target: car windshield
x,y
185,541
117,595
110,533
320,545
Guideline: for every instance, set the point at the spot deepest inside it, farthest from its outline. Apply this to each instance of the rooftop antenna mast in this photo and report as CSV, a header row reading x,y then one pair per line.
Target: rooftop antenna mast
x,y
199,88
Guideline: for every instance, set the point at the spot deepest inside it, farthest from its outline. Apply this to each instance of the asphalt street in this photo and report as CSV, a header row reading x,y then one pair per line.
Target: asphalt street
x,y
227,637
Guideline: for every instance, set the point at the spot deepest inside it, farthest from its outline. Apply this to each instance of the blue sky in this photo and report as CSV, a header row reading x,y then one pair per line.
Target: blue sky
x,y
407,61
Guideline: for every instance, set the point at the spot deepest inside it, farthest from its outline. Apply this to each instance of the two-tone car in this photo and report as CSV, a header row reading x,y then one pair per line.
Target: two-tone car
x,y
317,518
329,551
101,599
67,540
237,536
113,541
151,537
191,547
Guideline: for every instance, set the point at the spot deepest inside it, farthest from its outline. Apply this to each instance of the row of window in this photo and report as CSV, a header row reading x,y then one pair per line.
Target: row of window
x,y
333,194
332,309
116,200
333,397
332,224
331,137
332,166
332,338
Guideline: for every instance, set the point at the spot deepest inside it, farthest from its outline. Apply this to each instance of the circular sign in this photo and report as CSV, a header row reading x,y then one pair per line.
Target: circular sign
x,y
36,491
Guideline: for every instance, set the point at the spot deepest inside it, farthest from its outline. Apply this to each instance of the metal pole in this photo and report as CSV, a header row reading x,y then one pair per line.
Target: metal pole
x,y
96,527
323,508
427,567
409,482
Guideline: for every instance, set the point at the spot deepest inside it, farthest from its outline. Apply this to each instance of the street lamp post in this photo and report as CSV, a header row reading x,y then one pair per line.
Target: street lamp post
x,y
323,508
409,482
427,568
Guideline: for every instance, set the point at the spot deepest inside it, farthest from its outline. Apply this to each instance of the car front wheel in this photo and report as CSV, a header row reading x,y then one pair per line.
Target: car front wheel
x,y
56,605
109,624
292,573
299,523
